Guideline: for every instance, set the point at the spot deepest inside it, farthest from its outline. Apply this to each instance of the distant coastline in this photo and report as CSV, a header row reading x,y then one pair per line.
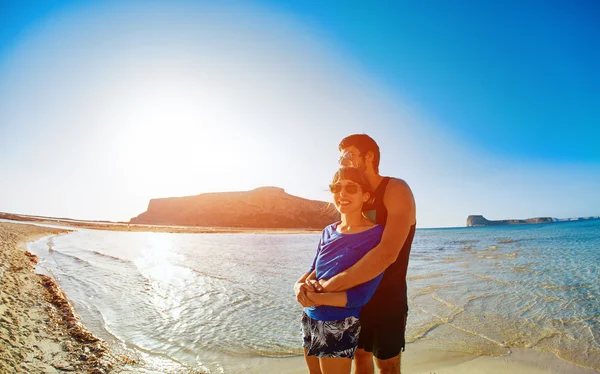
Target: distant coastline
x,y
125,226
479,220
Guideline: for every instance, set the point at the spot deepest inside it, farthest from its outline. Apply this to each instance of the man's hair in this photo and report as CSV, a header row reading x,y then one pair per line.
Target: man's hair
x,y
364,143
353,174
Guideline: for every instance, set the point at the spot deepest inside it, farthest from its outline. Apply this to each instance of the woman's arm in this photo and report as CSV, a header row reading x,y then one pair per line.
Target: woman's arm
x,y
328,298
354,297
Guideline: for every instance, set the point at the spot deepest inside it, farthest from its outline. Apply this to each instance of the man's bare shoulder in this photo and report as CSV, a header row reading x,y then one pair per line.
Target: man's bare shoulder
x,y
399,198
398,185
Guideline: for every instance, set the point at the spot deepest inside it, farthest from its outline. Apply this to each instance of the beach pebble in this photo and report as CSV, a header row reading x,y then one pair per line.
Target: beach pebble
x,y
49,370
67,346
65,366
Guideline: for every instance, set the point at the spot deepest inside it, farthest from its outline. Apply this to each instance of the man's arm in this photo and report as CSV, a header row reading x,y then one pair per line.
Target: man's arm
x,y
400,205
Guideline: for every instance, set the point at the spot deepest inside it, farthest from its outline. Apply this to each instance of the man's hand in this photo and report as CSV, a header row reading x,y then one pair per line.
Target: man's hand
x,y
304,283
301,289
320,285
313,285
303,286
303,292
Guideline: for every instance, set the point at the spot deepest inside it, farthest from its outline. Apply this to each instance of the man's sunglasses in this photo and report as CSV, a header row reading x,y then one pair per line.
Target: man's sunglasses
x,y
349,188
345,156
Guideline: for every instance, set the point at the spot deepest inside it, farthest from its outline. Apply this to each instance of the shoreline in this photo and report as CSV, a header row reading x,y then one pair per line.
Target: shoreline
x,y
122,226
40,332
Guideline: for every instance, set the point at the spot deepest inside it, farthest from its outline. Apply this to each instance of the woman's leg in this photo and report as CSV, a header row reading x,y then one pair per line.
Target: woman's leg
x,y
336,365
313,363
334,341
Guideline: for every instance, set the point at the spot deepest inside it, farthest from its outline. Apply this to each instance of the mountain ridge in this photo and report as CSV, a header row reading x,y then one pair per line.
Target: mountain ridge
x,y
263,207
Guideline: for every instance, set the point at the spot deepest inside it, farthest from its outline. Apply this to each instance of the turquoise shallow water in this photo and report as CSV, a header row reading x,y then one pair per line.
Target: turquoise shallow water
x,y
194,299
489,289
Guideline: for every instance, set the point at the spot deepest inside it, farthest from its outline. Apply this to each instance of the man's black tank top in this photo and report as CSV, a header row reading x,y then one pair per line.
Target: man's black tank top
x,y
391,293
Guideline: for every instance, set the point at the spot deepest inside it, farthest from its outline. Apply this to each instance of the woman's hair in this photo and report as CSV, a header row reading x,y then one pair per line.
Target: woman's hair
x,y
355,175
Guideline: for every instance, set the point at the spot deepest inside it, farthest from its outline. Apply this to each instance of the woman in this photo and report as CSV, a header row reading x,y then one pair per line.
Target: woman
x,y
330,321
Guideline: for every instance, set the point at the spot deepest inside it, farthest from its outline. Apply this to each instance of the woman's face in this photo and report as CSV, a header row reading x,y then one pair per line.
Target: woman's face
x,y
348,196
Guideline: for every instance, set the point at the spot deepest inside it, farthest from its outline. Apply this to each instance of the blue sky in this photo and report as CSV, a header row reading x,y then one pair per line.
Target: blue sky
x,y
510,76
484,108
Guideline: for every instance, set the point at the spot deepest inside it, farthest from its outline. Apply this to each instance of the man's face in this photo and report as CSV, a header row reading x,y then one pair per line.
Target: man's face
x,y
351,157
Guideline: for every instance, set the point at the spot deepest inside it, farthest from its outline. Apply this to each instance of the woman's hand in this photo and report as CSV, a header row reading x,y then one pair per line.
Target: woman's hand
x,y
305,286
304,300
302,291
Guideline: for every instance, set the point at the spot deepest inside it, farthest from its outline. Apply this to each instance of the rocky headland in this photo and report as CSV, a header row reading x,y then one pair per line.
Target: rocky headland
x,y
479,220
264,207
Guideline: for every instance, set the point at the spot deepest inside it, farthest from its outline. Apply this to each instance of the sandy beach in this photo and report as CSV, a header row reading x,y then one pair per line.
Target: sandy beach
x,y
41,333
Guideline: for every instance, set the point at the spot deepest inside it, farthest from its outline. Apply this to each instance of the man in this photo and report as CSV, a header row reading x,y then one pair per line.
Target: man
x,y
383,319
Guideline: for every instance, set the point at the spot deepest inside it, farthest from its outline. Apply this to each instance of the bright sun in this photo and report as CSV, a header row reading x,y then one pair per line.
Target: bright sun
x,y
178,142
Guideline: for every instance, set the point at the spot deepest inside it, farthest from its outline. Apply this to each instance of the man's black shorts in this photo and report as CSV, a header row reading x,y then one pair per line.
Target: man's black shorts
x,y
383,333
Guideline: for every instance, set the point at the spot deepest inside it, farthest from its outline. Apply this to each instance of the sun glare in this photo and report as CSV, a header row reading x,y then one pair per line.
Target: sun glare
x,y
177,141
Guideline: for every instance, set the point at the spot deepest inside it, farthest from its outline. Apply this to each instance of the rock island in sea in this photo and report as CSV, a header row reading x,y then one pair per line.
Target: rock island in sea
x,y
479,220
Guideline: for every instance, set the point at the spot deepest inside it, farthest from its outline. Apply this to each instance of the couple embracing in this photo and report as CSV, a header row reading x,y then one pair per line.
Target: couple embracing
x,y
354,294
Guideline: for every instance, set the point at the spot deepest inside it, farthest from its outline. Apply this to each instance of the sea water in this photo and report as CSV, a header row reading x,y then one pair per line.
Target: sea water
x,y
195,300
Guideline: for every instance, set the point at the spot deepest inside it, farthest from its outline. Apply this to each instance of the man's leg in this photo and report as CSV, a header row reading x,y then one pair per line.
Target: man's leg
x,y
390,343
389,366
363,362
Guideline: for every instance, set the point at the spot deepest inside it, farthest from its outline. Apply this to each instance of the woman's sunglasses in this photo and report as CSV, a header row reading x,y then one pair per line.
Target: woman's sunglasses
x,y
349,188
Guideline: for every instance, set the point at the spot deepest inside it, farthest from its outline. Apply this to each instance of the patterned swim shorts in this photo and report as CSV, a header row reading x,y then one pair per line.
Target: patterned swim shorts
x,y
334,339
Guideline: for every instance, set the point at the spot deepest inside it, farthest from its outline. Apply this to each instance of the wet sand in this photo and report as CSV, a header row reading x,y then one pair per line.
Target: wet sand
x,y
421,358
425,358
39,331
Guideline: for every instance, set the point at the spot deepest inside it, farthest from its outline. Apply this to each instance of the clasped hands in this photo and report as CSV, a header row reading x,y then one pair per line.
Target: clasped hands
x,y
306,291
